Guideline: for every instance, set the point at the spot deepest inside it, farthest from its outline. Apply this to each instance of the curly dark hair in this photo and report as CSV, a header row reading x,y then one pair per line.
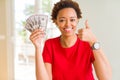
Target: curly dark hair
x,y
65,4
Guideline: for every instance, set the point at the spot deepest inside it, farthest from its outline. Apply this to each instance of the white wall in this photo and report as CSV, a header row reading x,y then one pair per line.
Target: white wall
x,y
104,17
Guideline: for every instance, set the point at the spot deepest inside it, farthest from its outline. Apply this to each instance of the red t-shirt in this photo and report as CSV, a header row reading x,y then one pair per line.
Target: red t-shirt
x,y
73,63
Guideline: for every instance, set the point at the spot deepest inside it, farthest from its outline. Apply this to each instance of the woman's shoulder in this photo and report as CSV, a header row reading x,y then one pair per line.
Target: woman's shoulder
x,y
84,43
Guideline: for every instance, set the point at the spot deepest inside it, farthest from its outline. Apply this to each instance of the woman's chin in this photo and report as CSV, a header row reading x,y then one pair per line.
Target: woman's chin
x,y
68,34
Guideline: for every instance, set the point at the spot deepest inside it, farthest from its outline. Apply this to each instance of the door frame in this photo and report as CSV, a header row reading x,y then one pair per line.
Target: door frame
x,y
10,37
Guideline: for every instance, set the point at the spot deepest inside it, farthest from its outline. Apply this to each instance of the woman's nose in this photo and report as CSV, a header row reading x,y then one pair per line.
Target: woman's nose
x,y
68,23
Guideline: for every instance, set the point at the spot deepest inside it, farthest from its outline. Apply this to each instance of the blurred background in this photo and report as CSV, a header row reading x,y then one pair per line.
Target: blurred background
x,y
17,61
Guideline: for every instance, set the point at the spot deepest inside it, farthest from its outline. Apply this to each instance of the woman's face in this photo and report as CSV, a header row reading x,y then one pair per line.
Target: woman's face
x,y
67,21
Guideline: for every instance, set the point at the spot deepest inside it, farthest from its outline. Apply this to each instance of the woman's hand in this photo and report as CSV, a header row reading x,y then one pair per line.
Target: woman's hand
x,y
37,37
86,34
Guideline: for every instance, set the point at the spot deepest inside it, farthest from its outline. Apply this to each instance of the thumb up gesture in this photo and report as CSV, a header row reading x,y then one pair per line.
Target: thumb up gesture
x,y
86,34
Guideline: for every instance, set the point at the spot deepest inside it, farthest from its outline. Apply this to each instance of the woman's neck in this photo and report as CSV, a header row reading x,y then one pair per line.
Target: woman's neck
x,y
68,41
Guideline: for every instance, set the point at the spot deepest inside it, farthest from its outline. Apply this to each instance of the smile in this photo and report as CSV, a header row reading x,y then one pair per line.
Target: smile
x,y
68,29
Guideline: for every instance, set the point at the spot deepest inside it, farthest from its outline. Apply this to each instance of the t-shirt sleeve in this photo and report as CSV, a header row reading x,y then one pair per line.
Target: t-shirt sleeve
x,y
92,58
47,52
91,54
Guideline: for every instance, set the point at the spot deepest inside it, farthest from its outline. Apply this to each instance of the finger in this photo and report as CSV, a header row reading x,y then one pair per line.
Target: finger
x,y
32,37
80,30
38,38
38,33
86,24
80,36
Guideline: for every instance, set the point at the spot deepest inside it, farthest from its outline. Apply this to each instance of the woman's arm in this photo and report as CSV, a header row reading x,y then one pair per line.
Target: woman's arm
x,y
49,70
42,69
101,64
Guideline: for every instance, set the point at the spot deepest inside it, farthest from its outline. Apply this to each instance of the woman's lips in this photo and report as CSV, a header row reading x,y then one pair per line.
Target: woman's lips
x,y
68,29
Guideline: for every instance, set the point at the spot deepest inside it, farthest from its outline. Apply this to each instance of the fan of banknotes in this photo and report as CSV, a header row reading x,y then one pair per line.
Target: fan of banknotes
x,y
36,21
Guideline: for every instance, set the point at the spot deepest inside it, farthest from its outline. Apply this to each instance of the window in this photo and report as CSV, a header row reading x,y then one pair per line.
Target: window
x,y
24,50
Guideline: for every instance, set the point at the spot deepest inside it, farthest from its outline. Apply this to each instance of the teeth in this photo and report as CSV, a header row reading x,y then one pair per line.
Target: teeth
x,y
68,29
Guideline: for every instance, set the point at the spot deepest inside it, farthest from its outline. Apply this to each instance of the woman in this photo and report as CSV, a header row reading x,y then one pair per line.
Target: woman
x,y
69,56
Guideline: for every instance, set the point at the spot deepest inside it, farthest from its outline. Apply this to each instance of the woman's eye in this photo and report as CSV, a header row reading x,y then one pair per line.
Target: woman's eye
x,y
61,20
72,20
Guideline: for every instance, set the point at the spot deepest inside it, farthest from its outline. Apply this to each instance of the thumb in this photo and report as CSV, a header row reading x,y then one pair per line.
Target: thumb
x,y
86,24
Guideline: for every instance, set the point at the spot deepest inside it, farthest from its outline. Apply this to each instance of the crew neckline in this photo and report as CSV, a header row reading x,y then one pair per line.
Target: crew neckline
x,y
68,47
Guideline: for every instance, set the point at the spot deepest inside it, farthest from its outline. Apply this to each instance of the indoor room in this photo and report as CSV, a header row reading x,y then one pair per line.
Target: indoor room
x,y
17,53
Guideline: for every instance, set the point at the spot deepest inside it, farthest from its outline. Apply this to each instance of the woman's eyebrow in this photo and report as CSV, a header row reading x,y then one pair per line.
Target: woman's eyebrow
x,y
73,17
64,17
61,17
